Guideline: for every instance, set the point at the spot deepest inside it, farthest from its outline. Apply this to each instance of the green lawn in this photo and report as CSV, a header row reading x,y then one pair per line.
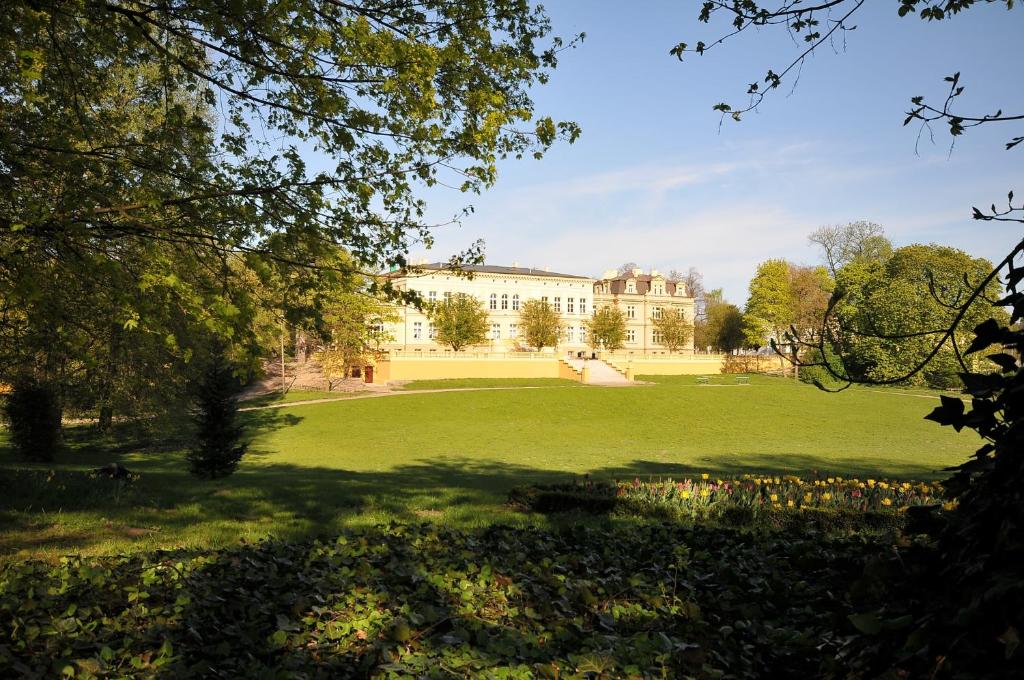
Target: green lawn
x,y
463,383
452,457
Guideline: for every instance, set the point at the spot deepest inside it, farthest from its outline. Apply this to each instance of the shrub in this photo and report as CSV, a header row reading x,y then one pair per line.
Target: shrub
x,y
819,375
32,412
219,446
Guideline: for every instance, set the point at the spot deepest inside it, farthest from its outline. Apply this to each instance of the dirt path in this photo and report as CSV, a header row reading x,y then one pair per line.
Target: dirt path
x,y
905,394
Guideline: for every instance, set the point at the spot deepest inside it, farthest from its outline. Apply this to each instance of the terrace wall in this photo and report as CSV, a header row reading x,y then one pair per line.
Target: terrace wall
x,y
705,364
497,365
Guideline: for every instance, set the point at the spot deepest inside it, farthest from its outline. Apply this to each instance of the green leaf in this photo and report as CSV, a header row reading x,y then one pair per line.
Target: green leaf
x,y
278,639
869,624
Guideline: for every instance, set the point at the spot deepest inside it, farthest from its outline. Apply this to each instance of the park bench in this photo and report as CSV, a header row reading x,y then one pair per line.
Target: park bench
x,y
702,380
742,380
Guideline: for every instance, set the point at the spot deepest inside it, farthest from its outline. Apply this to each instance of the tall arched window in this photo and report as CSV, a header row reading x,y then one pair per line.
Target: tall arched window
x,y
504,300
515,303
494,300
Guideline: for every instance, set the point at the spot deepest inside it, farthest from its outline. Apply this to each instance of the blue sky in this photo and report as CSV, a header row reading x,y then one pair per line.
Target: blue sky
x,y
653,180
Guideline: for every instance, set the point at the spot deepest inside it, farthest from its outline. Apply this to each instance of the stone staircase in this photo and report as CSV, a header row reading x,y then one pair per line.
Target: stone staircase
x,y
598,372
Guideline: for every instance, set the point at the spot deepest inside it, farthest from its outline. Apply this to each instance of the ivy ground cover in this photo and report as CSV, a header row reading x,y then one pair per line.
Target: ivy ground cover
x,y
654,600
452,458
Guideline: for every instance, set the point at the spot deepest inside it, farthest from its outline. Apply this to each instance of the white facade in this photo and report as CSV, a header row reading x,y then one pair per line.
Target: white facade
x,y
502,290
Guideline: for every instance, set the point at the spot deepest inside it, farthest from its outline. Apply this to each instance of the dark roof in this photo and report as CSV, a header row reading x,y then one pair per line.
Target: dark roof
x,y
643,284
496,269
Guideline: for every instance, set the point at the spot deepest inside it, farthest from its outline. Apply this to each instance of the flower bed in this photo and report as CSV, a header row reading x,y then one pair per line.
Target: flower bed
x,y
748,497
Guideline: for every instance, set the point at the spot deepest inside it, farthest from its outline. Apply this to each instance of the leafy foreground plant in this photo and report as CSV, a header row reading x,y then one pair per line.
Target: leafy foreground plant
x,y
645,601
961,595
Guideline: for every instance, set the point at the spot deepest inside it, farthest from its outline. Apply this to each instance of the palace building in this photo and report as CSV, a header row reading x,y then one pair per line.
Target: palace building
x,y
642,299
503,290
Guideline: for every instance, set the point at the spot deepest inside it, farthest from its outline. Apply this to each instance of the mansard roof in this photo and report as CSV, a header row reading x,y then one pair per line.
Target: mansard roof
x,y
497,269
617,285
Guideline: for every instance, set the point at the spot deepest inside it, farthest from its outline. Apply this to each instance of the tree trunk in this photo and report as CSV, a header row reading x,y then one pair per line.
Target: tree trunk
x,y
106,419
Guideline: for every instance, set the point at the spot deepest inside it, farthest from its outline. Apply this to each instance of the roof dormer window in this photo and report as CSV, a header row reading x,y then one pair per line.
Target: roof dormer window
x,y
631,286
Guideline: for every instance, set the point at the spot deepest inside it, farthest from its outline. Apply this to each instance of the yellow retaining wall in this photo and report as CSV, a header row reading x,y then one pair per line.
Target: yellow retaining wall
x,y
567,372
668,366
439,369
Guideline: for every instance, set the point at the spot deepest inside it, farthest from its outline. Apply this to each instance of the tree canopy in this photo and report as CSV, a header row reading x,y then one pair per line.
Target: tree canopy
x,y
892,310
674,328
167,169
460,321
854,242
539,325
607,328
722,327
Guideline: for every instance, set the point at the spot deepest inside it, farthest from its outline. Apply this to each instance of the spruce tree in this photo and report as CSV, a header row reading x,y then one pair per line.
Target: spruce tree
x,y
219,447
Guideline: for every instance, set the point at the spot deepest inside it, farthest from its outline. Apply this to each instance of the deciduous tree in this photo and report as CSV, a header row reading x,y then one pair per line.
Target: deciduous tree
x,y
355,324
148,153
722,328
539,324
962,596
675,329
607,329
859,241
892,310
770,305
459,321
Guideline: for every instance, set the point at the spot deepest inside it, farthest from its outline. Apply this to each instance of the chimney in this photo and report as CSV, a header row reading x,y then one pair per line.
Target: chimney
x,y
515,265
610,273
638,271
547,268
655,272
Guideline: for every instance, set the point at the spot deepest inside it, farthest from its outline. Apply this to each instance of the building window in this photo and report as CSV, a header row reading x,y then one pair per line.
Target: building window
x,y
515,303
544,299
417,330
655,312
558,304
570,334
630,311
659,288
431,331
630,335
447,295
657,337
570,305
432,296
583,305
495,331
583,333
504,300
513,330
494,300
630,287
